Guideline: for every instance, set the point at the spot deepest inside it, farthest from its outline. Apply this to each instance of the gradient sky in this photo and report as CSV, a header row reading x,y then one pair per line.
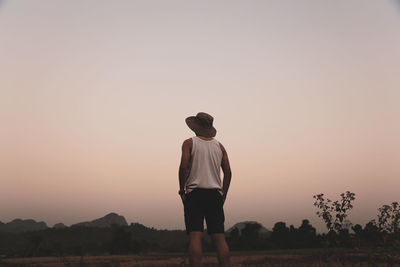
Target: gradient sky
x,y
93,96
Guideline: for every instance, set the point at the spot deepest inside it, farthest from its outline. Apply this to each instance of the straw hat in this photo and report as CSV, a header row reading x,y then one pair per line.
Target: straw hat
x,y
202,124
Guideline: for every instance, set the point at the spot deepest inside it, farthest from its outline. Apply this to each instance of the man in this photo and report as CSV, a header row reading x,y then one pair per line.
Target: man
x,y
203,195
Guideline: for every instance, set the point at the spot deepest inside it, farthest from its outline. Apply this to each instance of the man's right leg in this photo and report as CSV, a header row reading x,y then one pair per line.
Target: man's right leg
x,y
195,242
222,249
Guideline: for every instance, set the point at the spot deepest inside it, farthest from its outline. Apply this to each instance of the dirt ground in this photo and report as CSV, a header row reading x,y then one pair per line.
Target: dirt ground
x,y
257,258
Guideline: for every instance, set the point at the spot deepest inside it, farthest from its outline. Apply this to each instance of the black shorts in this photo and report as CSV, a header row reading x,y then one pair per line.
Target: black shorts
x,y
204,203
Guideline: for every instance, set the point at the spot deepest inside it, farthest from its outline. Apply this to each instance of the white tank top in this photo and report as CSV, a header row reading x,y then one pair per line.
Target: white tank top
x,y
204,165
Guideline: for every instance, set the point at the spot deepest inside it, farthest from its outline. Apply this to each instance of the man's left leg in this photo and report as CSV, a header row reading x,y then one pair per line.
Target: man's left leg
x,y
222,249
194,222
215,219
195,243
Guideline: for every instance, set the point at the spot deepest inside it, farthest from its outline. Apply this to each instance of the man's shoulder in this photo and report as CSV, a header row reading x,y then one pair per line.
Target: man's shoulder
x,y
188,142
221,146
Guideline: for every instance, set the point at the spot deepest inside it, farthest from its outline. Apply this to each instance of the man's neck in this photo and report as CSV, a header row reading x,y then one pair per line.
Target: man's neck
x,y
204,138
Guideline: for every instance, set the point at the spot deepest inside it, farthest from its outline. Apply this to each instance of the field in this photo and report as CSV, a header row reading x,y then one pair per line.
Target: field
x,y
308,257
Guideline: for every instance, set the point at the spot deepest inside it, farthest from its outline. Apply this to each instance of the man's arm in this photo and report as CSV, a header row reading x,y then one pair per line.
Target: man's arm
x,y
226,168
184,165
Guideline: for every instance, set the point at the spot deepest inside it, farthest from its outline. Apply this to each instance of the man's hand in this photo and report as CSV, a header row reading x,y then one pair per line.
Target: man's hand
x,y
226,168
223,199
184,166
183,197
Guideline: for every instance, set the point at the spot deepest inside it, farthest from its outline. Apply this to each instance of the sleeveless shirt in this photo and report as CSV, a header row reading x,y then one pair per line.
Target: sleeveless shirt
x,y
204,165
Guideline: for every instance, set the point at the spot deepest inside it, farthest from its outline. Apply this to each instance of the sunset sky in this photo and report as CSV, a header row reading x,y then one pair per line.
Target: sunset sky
x,y
94,94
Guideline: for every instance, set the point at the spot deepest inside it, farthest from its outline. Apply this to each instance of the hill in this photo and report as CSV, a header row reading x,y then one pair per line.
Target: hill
x,y
19,225
263,231
106,221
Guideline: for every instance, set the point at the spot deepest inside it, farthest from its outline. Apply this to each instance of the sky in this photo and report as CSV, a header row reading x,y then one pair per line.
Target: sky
x,y
94,96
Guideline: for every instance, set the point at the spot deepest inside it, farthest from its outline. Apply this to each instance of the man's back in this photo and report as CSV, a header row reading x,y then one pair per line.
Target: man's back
x,y
205,162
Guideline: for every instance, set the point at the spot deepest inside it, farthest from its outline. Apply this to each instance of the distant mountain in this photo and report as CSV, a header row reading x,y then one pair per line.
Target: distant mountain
x,y
18,226
106,221
59,226
241,225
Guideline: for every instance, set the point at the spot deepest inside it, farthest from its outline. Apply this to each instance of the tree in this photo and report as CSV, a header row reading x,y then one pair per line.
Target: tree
x,y
250,236
251,231
235,233
371,233
306,228
307,234
389,218
280,235
334,213
121,240
357,229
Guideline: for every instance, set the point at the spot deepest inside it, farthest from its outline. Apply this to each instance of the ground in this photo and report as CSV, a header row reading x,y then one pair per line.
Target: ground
x,y
306,257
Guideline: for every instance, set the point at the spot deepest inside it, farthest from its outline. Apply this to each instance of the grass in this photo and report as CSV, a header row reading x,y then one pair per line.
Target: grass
x,y
305,257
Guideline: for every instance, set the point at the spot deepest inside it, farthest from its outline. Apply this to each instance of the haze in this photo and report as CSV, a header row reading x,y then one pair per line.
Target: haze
x,y
93,96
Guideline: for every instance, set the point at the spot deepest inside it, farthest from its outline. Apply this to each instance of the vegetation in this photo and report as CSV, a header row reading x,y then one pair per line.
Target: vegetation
x,y
133,239
139,239
334,213
326,257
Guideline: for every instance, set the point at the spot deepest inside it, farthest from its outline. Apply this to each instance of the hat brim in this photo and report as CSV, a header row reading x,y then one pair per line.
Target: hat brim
x,y
194,124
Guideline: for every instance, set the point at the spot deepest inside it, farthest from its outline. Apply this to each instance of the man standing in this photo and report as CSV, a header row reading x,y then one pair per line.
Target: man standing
x,y
202,192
